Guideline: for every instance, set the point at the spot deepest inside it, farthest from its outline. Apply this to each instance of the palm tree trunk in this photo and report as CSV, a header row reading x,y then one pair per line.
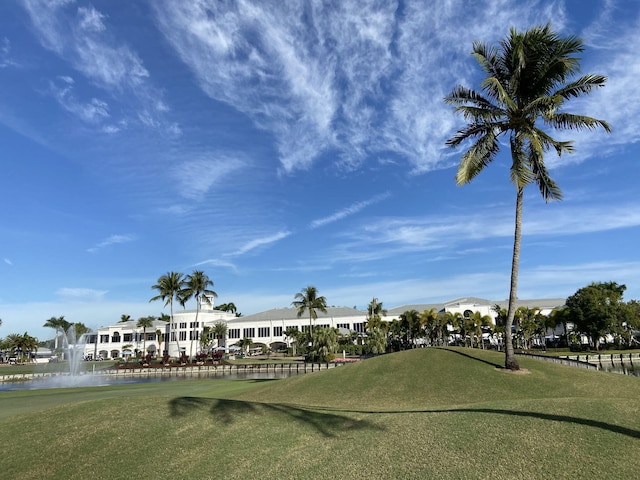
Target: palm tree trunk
x,y
510,361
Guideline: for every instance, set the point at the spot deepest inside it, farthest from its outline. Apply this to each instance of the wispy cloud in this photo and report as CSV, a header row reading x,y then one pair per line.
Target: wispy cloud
x,y
363,78
112,240
460,234
350,210
196,177
81,293
260,242
8,261
81,36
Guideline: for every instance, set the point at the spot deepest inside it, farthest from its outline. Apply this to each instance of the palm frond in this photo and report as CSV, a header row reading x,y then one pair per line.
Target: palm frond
x,y
577,122
477,158
548,188
581,86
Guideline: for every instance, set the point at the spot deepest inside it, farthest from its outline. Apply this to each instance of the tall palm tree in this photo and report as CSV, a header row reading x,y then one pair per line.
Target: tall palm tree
x,y
525,90
308,300
169,287
228,307
196,285
374,313
58,324
144,323
220,330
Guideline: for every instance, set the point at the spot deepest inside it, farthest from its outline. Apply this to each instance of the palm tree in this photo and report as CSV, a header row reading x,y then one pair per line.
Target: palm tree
x,y
196,285
526,85
220,330
411,326
124,318
169,287
58,324
374,312
159,340
144,323
309,300
228,307
294,334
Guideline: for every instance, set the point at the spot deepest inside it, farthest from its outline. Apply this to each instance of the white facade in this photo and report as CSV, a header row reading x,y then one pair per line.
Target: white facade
x,y
264,328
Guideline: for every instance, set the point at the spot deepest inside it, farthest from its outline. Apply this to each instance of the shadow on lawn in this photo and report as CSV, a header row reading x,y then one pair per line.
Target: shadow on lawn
x,y
497,365
630,432
228,411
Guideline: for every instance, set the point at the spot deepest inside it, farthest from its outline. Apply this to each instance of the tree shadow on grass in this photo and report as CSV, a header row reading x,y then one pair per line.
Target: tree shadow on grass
x,y
496,365
629,432
229,411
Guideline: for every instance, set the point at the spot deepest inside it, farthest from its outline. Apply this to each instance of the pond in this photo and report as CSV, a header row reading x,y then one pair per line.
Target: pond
x,y
68,381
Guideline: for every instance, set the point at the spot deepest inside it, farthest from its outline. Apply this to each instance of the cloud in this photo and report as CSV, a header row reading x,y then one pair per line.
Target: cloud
x,y
86,294
112,240
350,210
8,261
260,242
196,177
81,36
359,78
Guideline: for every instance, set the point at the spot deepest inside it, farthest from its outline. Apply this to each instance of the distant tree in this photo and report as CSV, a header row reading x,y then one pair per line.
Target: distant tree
x,y
227,307
144,323
308,300
376,342
597,309
159,340
124,318
525,86
411,327
434,324
59,324
245,344
375,312
169,287
196,285
294,334
220,331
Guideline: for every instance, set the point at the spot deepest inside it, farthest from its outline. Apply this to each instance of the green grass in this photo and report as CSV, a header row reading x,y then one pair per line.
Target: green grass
x,y
427,413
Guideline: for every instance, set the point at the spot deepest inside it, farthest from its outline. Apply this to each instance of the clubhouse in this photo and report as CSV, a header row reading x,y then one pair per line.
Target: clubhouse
x,y
182,336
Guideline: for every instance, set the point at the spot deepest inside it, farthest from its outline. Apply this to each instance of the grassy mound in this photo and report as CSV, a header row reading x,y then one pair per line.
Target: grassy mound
x,y
428,413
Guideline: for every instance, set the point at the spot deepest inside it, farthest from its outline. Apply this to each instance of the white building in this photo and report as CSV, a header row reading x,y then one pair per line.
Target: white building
x,y
183,335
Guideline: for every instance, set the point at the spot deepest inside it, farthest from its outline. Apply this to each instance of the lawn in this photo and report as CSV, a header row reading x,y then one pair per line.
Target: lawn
x,y
426,413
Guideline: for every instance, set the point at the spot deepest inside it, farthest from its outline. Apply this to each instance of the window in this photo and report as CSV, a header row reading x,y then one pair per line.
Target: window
x,y
151,336
104,338
305,328
194,335
183,336
116,337
183,324
324,326
173,336
249,332
234,333
295,327
263,331
359,327
277,331
127,337
194,324
343,325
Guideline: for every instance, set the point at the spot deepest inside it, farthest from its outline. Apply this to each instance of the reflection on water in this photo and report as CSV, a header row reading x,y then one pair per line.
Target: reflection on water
x,y
623,369
107,380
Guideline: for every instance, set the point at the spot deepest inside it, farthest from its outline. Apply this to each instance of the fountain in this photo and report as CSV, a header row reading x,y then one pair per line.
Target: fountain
x,y
72,352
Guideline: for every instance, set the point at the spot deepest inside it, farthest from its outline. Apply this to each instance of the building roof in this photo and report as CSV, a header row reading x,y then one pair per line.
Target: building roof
x,y
292,314
544,303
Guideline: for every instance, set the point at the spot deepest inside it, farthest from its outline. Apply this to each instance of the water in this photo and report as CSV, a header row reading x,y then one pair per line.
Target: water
x,y
89,380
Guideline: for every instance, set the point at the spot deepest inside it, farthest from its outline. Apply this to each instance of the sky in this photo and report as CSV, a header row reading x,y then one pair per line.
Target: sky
x,y
280,144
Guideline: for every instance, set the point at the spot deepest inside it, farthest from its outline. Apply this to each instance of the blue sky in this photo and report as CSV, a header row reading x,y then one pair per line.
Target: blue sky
x,y
276,145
